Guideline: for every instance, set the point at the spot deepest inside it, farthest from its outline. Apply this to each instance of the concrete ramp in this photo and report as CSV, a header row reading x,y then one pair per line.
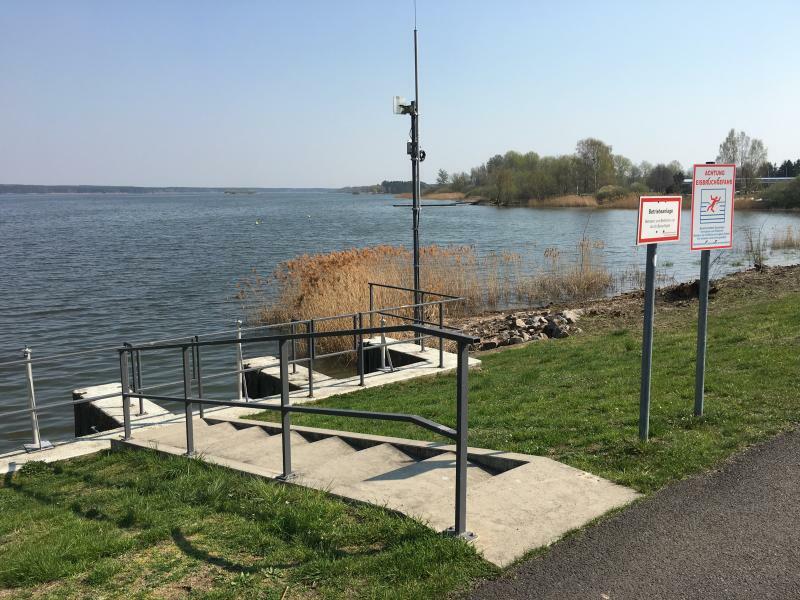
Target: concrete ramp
x,y
515,502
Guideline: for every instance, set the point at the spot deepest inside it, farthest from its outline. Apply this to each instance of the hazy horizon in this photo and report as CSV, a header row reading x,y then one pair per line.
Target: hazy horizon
x,y
299,96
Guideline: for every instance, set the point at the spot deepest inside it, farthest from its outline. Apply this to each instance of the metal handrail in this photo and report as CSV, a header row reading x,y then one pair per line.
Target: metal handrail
x,y
446,333
192,348
311,334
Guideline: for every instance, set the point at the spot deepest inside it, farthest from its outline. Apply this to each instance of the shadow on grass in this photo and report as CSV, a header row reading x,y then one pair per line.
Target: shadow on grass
x,y
189,549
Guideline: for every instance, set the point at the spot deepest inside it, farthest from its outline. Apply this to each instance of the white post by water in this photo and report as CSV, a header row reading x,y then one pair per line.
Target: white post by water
x,y
239,361
37,444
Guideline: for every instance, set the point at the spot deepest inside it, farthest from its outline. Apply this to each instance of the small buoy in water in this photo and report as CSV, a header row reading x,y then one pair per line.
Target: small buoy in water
x,y
258,221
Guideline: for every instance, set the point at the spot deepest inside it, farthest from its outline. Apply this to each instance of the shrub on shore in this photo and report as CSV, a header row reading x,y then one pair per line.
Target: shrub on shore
x,y
784,195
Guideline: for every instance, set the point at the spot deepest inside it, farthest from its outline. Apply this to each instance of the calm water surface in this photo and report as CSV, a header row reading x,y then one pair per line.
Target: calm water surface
x,y
94,270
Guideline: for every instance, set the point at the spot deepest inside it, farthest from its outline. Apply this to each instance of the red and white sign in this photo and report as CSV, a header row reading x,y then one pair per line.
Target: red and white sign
x,y
659,220
713,188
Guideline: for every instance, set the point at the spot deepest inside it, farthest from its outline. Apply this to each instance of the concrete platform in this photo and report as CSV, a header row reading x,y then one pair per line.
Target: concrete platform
x,y
515,502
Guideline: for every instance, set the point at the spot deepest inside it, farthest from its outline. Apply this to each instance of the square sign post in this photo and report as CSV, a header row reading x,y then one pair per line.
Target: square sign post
x,y
659,221
713,188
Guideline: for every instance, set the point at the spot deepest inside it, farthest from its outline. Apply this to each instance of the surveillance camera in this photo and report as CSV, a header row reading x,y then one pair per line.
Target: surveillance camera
x,y
401,106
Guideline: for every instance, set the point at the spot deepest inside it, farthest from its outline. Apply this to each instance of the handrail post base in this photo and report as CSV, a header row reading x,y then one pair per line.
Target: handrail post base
x,y
42,445
287,478
467,536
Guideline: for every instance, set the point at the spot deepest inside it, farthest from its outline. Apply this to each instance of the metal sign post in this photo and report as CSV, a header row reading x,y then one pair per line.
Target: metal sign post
x,y
713,189
659,221
702,321
647,342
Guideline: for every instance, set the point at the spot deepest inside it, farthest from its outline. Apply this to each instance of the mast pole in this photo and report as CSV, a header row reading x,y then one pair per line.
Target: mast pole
x,y
415,181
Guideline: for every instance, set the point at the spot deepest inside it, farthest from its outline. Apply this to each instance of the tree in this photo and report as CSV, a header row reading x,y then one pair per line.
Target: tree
x,y
459,182
623,170
443,177
597,163
666,178
748,154
644,170
787,169
659,178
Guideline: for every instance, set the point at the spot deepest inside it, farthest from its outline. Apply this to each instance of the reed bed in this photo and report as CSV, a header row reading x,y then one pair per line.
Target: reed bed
x,y
788,239
336,283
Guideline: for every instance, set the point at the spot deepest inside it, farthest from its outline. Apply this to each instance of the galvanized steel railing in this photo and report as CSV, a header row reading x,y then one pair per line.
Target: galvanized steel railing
x,y
190,354
130,361
310,325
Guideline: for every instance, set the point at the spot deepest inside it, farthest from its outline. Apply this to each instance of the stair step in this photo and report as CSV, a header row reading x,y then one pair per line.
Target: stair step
x,y
415,487
174,434
358,465
269,453
310,456
237,445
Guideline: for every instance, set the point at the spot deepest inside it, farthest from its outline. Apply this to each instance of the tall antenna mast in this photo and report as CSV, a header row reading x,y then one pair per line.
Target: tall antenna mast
x,y
415,179
404,107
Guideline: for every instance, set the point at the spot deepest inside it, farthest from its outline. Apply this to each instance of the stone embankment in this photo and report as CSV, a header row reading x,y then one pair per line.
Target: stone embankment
x,y
519,327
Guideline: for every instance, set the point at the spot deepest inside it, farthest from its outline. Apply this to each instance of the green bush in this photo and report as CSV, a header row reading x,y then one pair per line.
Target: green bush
x,y
784,195
610,192
639,188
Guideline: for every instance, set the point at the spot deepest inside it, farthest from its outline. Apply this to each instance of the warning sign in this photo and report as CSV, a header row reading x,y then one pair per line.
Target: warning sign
x,y
659,219
712,206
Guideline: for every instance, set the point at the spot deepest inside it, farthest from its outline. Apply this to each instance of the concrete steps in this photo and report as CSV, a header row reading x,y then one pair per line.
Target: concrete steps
x,y
515,502
245,440
413,487
358,466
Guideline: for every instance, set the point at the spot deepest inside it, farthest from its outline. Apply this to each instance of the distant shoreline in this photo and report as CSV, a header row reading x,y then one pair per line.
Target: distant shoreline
x,y
11,188
628,202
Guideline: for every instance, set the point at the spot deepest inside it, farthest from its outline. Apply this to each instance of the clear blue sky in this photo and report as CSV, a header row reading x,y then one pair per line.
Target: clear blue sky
x,y
299,93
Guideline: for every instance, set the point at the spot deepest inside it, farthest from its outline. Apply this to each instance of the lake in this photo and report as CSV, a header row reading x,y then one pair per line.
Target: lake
x,y
100,269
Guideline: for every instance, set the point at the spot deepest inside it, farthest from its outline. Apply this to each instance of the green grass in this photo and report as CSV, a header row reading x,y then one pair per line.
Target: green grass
x,y
577,400
140,525
134,524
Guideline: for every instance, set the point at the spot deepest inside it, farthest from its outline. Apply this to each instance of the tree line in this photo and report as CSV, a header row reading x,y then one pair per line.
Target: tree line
x,y
594,169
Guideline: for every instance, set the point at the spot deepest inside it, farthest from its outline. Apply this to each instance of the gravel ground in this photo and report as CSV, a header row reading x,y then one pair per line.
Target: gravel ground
x,y
730,533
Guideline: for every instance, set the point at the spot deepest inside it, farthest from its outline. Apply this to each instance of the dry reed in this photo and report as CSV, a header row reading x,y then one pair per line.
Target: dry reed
x,y
788,239
337,283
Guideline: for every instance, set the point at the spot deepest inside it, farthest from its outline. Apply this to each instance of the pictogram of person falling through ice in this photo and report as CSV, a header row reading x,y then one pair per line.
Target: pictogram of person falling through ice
x,y
713,204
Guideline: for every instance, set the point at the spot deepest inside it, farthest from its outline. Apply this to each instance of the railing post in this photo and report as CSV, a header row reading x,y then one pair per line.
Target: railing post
x,y
383,345
355,335
286,418
311,351
133,376
239,361
441,340
361,366
462,428
124,389
187,392
420,319
198,374
38,443
293,330
371,306
138,377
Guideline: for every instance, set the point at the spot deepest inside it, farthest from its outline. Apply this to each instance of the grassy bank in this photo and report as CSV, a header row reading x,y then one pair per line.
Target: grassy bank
x,y
140,525
576,400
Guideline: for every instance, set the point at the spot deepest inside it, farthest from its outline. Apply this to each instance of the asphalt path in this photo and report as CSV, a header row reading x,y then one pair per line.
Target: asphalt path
x,y
731,533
